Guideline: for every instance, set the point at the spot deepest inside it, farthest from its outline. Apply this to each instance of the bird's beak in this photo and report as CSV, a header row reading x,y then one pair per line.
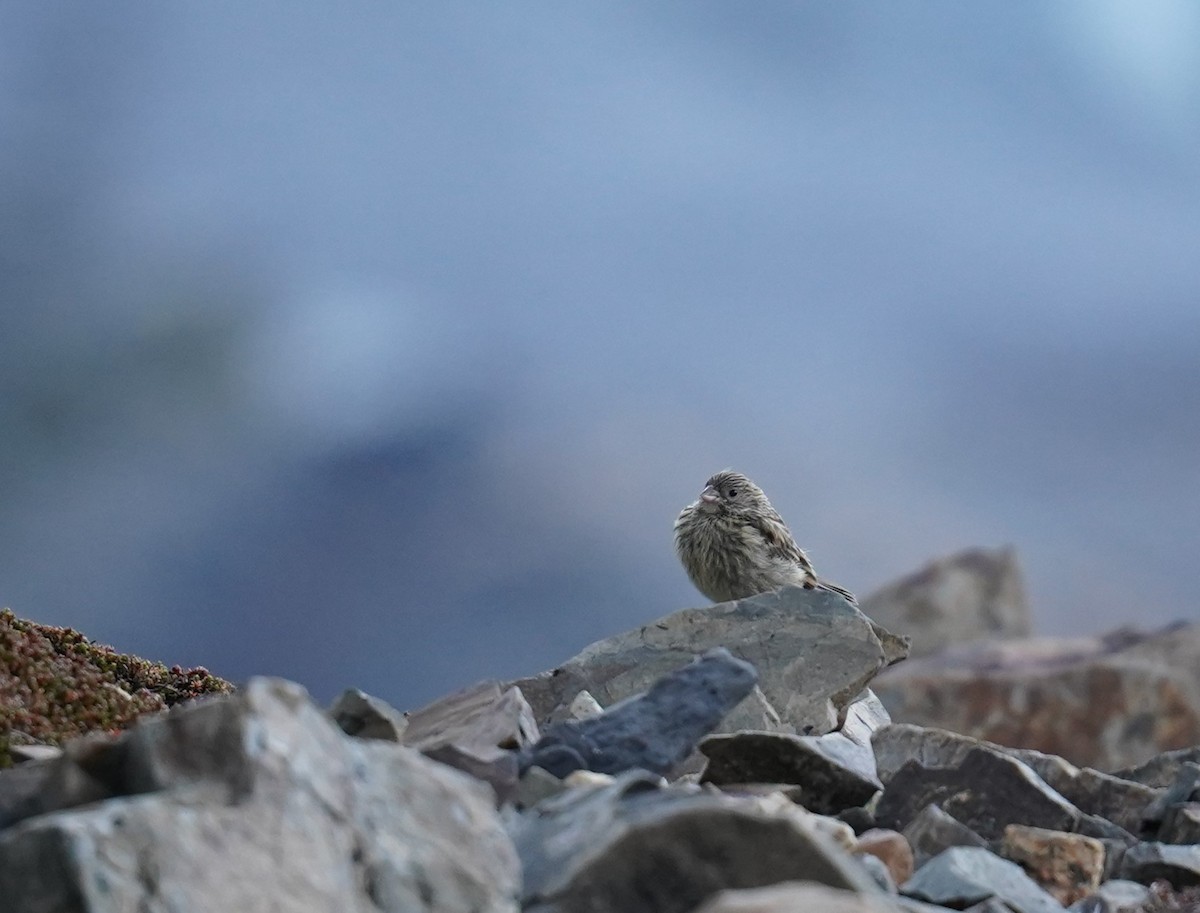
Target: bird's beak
x,y
709,495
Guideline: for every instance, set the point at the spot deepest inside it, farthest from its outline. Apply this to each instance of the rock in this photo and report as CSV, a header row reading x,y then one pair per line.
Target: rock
x,y
939,763
1161,769
932,831
359,714
1183,789
1105,702
879,873
963,876
654,731
814,652
791,896
477,730
257,801
1067,866
833,772
34,751
985,792
1091,791
975,594
1146,862
481,720
1181,824
632,845
891,849
536,785
1116,896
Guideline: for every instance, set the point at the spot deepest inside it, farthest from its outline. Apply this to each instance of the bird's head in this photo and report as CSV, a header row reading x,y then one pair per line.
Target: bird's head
x,y
732,493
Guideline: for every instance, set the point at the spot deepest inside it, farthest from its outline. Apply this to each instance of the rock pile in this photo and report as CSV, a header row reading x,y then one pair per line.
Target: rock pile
x,y
733,759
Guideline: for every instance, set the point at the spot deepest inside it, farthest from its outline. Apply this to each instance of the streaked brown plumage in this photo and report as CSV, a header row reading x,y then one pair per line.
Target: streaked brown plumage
x,y
734,544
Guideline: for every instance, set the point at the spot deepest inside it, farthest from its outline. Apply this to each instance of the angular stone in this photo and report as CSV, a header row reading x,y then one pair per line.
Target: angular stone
x,y
1184,788
1116,896
1067,866
1161,769
891,849
654,731
1091,791
879,873
634,846
480,720
1147,862
257,801
933,831
814,653
975,594
35,751
1105,702
986,792
963,876
938,750
833,772
363,716
1181,824
791,896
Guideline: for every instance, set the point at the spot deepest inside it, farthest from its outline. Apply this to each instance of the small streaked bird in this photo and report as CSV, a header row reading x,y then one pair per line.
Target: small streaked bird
x,y
734,544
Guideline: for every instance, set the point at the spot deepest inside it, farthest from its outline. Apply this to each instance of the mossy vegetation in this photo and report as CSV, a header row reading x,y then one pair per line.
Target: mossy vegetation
x,y
56,684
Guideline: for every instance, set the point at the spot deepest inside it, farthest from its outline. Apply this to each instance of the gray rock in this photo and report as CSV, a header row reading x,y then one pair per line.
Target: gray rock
x,y
1161,769
1093,792
963,876
1185,787
814,653
937,758
974,594
1181,824
363,716
632,845
1146,862
833,772
35,751
482,719
477,730
1116,896
257,801
878,871
985,792
932,831
654,731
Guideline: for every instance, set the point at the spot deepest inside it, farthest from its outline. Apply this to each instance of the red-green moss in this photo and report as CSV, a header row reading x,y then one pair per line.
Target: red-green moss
x,y
55,684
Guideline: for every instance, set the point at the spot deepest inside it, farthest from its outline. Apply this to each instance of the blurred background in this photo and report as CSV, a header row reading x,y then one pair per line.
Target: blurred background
x,y
380,345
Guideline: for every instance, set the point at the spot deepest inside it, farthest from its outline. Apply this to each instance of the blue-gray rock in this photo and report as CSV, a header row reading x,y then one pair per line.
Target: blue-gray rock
x,y
1116,896
1147,862
634,845
654,731
833,772
963,876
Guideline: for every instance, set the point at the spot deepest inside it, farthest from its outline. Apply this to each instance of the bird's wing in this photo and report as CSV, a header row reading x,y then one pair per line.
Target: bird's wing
x,y
780,543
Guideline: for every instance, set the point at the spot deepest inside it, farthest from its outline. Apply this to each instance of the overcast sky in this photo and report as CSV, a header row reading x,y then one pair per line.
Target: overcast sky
x,y
379,345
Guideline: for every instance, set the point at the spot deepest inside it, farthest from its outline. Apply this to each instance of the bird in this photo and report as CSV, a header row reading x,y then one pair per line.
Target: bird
x,y
734,544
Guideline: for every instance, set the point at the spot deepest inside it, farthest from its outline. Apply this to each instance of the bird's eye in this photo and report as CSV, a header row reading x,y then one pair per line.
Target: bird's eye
x,y
733,492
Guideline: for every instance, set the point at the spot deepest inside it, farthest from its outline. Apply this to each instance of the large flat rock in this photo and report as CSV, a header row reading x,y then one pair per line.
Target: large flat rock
x,y
814,652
